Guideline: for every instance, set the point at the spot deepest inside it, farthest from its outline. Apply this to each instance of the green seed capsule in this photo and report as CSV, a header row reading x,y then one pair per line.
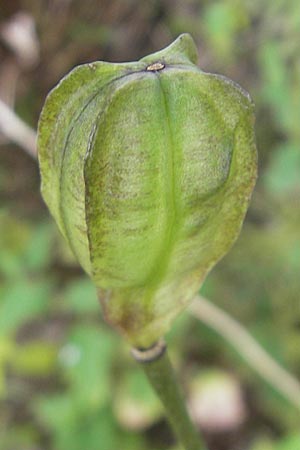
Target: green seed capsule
x,y
147,168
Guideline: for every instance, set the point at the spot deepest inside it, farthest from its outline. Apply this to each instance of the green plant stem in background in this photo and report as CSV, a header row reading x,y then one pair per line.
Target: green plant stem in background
x,y
250,350
161,376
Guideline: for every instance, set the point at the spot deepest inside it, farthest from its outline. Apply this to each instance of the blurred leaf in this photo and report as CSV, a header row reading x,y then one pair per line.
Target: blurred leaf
x,y
87,357
39,248
6,351
222,21
99,431
89,34
263,444
281,85
276,87
90,432
18,438
75,430
22,300
283,177
24,248
291,442
80,296
34,359
14,236
135,404
56,411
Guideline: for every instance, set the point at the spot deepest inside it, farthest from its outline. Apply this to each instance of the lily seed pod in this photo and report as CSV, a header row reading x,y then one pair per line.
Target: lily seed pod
x,y
147,168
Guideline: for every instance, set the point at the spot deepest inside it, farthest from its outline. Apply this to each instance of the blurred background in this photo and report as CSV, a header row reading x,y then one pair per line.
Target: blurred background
x,y
67,381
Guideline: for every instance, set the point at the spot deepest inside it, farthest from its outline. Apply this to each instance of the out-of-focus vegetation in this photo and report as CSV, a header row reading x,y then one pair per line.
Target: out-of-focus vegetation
x,y
67,381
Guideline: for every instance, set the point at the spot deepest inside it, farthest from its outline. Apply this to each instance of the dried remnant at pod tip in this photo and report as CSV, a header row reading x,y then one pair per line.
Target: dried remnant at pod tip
x,y
148,168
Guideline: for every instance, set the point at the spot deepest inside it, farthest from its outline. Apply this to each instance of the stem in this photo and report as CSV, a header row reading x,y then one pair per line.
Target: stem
x,y
249,349
16,130
161,376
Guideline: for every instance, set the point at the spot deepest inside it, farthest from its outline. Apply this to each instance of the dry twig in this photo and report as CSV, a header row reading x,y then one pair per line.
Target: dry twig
x,y
14,129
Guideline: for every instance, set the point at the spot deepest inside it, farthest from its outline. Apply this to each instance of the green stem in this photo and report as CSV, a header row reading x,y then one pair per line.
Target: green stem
x,y
161,376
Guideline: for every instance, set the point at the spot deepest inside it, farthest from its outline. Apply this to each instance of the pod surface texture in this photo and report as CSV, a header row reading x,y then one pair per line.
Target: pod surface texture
x,y
147,168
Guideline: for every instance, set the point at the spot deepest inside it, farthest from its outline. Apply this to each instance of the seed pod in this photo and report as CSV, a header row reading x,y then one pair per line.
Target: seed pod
x,y
148,168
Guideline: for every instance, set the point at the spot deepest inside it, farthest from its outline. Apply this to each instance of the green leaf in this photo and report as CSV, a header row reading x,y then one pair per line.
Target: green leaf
x,y
291,442
74,429
56,411
38,252
7,349
80,296
87,357
19,437
222,21
35,358
14,237
22,300
24,248
263,444
282,176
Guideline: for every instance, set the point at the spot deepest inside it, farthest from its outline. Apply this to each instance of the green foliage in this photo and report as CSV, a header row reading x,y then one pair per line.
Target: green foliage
x,y
88,356
223,21
22,300
74,429
291,442
34,359
80,296
82,416
282,178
